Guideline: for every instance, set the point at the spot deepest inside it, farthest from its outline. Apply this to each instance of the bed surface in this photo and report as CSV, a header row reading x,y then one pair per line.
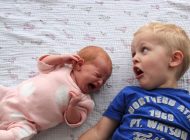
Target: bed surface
x,y
31,28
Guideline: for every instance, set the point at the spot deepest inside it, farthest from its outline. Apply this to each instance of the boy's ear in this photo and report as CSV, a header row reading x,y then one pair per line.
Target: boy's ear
x,y
77,65
176,58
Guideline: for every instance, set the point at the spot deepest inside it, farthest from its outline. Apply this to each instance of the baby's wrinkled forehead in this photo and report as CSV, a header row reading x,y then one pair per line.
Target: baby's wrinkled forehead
x,y
103,62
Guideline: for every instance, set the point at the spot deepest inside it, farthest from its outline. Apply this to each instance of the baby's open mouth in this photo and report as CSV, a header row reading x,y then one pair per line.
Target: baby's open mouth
x,y
91,86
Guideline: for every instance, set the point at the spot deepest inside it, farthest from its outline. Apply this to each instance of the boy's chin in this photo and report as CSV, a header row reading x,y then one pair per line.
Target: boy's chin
x,y
147,86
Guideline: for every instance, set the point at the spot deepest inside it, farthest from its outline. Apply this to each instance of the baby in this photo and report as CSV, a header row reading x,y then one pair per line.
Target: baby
x,y
59,93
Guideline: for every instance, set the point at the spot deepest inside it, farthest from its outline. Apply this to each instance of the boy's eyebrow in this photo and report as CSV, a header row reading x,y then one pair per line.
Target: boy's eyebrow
x,y
132,49
133,54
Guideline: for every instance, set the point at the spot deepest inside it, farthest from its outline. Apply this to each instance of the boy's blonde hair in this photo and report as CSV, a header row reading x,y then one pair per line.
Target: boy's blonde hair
x,y
173,37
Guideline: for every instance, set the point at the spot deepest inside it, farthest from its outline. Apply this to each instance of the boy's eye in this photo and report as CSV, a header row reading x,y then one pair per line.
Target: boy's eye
x,y
133,54
144,50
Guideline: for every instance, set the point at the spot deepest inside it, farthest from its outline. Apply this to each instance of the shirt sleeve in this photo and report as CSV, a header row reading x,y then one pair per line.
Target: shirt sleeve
x,y
43,67
117,107
85,106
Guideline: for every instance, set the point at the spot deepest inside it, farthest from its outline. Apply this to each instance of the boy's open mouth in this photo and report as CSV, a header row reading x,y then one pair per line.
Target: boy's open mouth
x,y
138,72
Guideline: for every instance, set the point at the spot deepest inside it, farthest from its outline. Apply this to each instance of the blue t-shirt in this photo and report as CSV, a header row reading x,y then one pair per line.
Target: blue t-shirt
x,y
159,114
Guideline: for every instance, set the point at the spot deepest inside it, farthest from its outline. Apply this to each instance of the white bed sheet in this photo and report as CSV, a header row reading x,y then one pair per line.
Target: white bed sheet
x,y
30,28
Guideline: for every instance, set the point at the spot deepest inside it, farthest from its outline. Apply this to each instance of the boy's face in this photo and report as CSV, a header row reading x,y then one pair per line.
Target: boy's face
x,y
150,61
92,76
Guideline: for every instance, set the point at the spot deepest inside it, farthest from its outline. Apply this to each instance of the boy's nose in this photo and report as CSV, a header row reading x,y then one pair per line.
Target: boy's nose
x,y
135,59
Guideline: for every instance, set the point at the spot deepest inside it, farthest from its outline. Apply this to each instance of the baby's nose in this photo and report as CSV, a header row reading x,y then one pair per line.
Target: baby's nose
x,y
100,82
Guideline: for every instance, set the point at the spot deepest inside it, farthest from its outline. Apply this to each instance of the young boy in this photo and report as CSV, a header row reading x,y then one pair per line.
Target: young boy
x,y
158,109
60,93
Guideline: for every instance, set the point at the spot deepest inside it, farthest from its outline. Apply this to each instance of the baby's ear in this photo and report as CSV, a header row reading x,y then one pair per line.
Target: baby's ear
x,y
78,64
176,58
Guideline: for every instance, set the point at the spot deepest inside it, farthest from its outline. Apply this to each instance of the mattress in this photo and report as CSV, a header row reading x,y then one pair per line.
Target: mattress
x,y
31,28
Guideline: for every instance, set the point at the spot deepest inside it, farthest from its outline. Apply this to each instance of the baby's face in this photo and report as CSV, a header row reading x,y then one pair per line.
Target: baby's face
x,y
93,75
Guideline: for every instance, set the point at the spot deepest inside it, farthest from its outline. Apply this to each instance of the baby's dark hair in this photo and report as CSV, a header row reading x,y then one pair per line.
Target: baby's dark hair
x,y
90,53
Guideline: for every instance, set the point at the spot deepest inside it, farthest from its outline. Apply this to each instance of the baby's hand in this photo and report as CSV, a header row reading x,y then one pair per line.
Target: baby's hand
x,y
70,58
74,98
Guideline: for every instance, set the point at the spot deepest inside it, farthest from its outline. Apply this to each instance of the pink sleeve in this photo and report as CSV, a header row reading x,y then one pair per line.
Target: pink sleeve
x,y
85,107
43,67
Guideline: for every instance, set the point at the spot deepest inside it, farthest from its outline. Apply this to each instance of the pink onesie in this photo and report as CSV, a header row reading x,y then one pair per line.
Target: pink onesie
x,y
39,103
